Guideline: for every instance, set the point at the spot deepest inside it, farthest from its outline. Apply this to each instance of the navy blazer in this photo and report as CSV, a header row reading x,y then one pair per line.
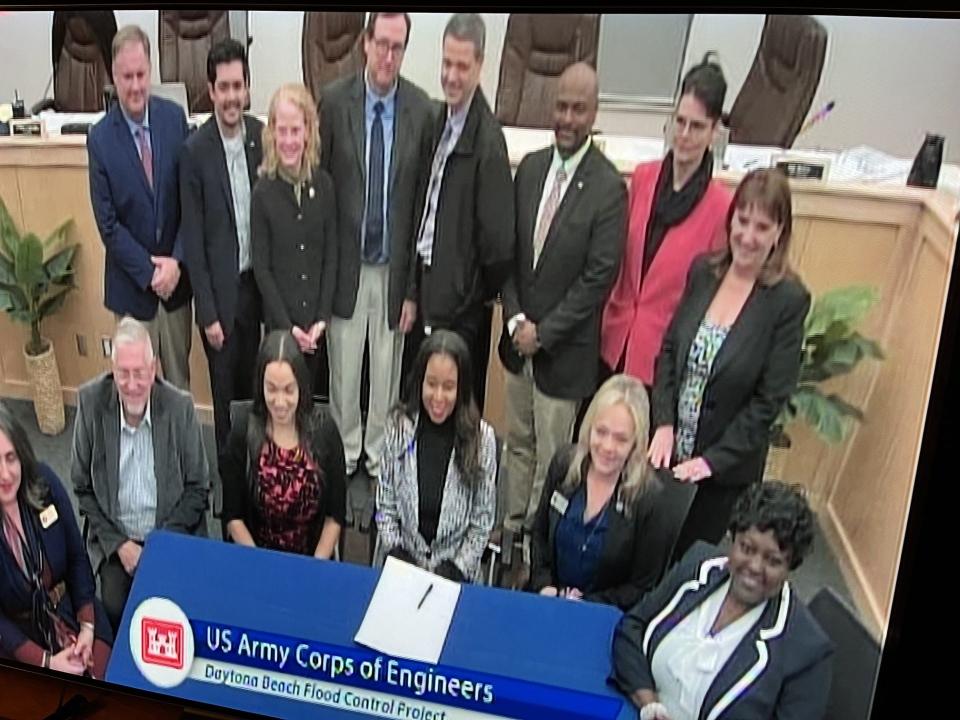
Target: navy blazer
x,y
781,669
67,559
134,220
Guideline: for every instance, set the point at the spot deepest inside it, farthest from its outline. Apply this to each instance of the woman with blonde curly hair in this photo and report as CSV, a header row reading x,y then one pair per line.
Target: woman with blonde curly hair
x,y
607,524
292,228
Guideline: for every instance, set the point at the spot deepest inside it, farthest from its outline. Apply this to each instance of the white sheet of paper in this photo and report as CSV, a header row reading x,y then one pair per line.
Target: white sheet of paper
x,y
393,624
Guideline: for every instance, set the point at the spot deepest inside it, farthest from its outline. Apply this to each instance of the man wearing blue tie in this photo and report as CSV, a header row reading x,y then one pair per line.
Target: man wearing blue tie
x,y
376,142
133,155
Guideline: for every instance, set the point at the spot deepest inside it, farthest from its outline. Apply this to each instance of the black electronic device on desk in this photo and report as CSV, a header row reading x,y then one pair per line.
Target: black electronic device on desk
x,y
76,128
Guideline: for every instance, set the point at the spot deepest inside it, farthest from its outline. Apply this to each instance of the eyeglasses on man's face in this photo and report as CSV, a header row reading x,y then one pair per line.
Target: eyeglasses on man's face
x,y
383,47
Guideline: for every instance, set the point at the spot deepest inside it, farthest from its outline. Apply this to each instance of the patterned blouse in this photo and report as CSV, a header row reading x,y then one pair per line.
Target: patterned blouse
x,y
288,497
703,351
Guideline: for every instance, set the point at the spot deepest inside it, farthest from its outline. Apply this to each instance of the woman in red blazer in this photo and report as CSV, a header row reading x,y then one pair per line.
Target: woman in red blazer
x,y
676,213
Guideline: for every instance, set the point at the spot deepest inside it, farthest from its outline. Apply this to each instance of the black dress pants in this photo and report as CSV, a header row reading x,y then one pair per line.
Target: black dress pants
x,y
232,367
114,589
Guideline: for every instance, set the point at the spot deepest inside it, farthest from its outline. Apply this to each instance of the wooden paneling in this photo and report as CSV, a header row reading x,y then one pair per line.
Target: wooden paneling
x,y
870,500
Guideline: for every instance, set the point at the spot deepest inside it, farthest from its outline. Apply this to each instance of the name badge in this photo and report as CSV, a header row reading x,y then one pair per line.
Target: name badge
x,y
48,517
559,503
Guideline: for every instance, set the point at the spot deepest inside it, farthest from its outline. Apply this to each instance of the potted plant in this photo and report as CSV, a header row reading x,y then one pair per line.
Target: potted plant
x,y
35,277
832,346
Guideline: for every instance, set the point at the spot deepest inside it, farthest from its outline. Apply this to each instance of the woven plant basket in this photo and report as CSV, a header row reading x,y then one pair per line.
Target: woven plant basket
x,y
47,390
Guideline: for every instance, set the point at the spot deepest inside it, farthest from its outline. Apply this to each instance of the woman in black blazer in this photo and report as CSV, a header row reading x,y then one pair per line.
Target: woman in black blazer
x,y
731,357
724,635
293,228
606,524
284,484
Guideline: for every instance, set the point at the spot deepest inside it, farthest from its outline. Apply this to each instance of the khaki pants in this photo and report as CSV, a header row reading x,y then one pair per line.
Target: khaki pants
x,y
171,334
537,425
345,342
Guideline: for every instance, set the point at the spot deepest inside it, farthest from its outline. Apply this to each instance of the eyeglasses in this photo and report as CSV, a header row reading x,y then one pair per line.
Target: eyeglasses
x,y
383,47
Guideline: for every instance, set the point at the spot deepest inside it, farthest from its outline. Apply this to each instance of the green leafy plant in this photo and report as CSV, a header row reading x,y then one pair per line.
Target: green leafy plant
x,y
35,276
832,346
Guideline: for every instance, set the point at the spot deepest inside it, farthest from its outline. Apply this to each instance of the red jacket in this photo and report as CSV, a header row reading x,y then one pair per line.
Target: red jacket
x,y
639,321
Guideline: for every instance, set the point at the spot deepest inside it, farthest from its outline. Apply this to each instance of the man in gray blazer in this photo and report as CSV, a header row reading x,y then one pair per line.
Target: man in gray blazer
x,y
571,222
375,133
138,463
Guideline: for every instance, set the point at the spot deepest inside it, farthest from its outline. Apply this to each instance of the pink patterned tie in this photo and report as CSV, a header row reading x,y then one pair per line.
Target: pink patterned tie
x,y
146,156
549,210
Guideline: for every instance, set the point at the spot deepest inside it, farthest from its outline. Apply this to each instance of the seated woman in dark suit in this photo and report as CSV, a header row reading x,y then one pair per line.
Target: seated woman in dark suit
x,y
437,453
731,357
606,525
721,621
49,615
293,228
284,485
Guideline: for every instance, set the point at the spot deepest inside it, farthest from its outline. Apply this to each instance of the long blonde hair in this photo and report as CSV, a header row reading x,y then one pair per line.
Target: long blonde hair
x,y
629,392
299,96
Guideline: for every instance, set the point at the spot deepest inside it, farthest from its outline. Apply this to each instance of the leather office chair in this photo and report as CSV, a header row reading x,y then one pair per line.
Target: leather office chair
x,y
332,47
776,96
856,657
185,39
536,50
81,59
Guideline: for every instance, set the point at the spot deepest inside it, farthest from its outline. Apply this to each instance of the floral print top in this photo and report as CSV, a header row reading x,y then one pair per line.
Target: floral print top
x,y
703,350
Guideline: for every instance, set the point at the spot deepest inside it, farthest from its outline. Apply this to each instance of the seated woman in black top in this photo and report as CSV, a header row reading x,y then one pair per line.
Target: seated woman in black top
x,y
283,472
49,615
606,524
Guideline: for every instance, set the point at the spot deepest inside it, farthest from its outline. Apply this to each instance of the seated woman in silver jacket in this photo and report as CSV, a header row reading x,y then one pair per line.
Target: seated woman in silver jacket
x,y
438,455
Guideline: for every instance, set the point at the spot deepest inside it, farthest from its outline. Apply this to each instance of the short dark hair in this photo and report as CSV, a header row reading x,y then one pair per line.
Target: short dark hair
x,y
372,24
226,51
468,26
466,415
280,346
779,507
33,490
707,84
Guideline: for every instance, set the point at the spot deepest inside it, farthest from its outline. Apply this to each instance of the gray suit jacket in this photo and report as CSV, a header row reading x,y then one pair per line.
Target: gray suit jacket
x,y
466,516
180,463
343,152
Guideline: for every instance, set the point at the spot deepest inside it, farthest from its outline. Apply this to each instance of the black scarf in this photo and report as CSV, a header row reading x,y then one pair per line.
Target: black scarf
x,y
42,612
672,207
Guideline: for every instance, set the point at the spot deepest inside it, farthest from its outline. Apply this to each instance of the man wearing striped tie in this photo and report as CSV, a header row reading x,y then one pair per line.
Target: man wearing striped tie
x,y
571,219
138,463
466,236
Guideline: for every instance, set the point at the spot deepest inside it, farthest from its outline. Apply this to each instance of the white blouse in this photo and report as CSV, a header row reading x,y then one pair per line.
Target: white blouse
x,y
688,658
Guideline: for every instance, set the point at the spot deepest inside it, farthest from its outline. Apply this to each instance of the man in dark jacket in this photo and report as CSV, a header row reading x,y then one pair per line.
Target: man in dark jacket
x,y
218,167
465,242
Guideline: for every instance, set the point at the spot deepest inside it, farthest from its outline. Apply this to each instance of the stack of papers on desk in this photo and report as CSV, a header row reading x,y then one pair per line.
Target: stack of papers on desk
x,y
866,164
410,613
54,120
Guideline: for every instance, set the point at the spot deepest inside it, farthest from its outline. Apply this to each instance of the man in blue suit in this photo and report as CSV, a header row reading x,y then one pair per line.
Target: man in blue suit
x,y
133,155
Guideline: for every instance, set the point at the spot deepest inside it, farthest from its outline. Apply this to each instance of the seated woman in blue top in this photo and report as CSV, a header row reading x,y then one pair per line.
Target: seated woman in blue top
x,y
284,485
724,635
49,616
606,524
438,455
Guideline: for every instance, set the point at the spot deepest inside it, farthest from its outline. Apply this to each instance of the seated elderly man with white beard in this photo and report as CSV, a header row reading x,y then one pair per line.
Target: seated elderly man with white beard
x,y
138,462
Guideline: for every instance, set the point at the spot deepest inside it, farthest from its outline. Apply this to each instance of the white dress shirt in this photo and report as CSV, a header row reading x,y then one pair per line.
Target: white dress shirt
x,y
688,658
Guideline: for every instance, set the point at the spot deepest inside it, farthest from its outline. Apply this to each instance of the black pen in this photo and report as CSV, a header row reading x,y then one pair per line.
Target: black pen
x,y
420,604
